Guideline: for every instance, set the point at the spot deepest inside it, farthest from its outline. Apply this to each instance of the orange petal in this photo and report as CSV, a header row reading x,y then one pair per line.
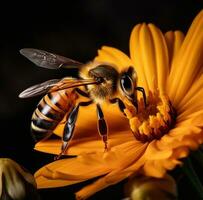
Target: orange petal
x,y
158,168
153,158
118,174
85,145
177,143
100,184
195,104
180,152
136,57
193,95
43,182
154,153
194,119
161,57
152,168
188,62
71,170
180,136
150,54
87,166
174,40
147,55
169,163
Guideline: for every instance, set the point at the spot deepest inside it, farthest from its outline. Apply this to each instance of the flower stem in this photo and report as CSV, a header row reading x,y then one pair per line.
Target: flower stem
x,y
193,177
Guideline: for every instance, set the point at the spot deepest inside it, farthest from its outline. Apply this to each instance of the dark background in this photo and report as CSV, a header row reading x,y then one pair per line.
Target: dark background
x,y
76,30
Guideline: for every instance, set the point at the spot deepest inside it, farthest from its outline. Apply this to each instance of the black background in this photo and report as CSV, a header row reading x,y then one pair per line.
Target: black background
x,y
76,30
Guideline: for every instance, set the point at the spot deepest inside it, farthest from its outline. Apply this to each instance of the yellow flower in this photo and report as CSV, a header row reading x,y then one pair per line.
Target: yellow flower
x,y
169,67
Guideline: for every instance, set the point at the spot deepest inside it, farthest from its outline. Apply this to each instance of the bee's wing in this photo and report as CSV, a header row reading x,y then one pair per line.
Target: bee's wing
x,y
39,89
48,60
55,85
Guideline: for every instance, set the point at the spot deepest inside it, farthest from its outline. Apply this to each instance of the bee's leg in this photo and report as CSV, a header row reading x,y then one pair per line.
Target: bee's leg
x,y
141,89
102,126
121,105
82,93
134,101
69,127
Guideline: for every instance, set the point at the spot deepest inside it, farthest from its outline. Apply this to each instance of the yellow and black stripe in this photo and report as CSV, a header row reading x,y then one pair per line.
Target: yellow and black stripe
x,y
49,112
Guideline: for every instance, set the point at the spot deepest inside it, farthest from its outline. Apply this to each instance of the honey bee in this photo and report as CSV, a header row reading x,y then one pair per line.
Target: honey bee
x,y
100,82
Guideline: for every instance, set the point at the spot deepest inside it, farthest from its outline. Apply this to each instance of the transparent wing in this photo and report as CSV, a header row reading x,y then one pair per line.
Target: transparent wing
x,y
55,85
39,89
48,60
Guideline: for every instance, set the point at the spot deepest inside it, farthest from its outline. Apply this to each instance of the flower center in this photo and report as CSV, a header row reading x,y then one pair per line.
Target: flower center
x,y
153,120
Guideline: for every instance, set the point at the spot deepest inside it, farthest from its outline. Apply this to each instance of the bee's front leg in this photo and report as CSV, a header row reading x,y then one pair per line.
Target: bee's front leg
x,y
69,127
141,89
121,105
102,127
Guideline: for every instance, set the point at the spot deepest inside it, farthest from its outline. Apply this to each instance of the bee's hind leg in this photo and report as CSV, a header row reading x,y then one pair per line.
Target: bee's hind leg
x,y
102,127
69,127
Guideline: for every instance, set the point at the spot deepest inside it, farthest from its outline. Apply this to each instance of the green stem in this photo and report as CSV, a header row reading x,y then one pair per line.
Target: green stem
x,y
192,176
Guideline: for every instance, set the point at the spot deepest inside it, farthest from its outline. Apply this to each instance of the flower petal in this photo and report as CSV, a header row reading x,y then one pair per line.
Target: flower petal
x,y
149,52
136,57
153,169
116,175
192,97
153,157
85,145
44,182
100,184
73,170
193,104
188,62
176,145
194,119
183,136
161,56
153,153
174,40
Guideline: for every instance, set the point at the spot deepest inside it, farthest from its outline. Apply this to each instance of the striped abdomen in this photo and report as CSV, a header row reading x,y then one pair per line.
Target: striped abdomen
x,y
50,111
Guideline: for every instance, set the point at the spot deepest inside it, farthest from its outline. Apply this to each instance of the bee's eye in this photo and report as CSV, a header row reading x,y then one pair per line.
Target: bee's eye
x,y
127,85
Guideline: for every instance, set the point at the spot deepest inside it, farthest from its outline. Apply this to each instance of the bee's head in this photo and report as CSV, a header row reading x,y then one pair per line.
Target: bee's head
x,y
107,78
104,74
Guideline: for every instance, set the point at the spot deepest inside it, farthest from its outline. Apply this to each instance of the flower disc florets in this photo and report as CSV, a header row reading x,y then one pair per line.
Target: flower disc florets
x,y
153,120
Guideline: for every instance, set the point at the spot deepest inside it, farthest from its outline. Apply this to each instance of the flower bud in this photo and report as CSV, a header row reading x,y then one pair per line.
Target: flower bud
x,y
15,182
149,188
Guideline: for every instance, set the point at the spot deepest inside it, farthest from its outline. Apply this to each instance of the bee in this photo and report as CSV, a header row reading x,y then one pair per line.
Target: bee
x,y
99,81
